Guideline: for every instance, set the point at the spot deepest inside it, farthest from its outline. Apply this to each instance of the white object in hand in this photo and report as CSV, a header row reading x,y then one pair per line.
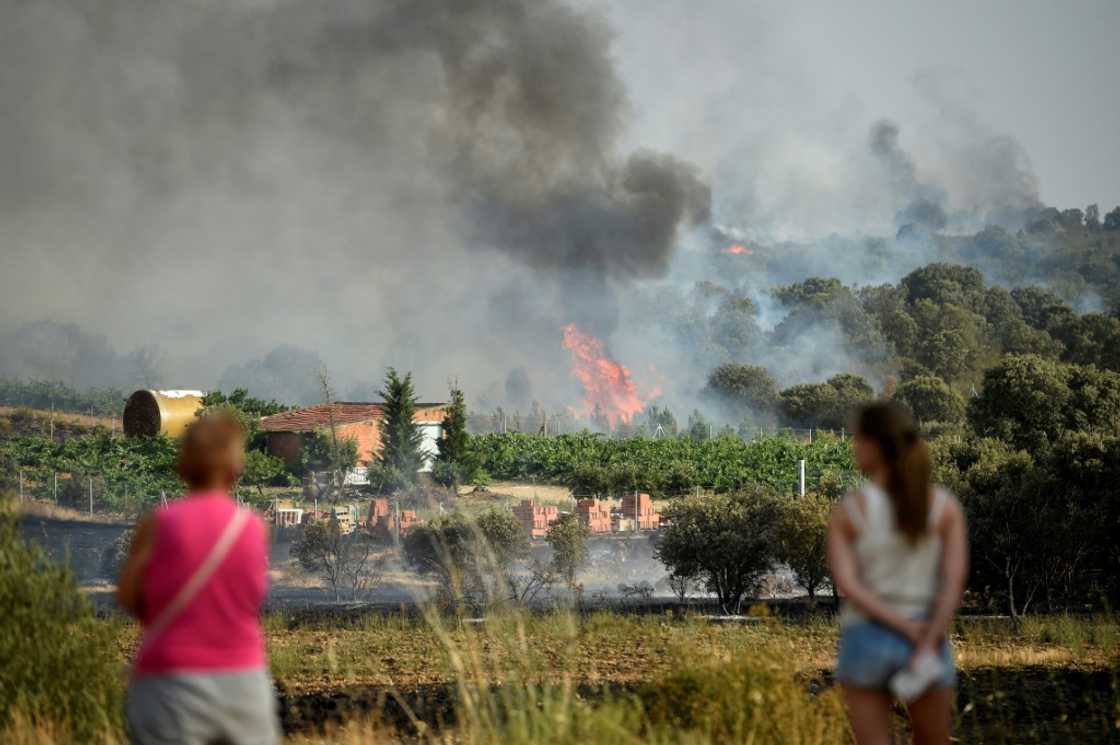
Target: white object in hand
x,y
913,680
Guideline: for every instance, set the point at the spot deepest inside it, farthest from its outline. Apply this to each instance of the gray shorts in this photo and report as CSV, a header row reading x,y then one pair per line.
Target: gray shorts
x,y
203,709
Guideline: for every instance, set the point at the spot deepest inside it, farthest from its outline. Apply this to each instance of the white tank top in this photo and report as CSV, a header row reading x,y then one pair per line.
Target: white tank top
x,y
906,576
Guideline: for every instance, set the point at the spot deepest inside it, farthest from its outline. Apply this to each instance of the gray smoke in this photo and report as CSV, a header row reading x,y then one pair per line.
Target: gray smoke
x,y
363,179
926,207
441,185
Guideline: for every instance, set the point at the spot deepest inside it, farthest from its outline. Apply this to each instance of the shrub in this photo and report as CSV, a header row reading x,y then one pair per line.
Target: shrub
x,y
114,555
59,664
742,700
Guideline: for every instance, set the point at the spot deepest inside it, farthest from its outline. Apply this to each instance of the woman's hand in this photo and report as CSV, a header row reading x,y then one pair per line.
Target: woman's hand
x,y
926,644
915,631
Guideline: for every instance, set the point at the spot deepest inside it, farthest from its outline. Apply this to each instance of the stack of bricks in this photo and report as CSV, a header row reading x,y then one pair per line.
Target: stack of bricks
x,y
536,518
595,515
382,521
647,517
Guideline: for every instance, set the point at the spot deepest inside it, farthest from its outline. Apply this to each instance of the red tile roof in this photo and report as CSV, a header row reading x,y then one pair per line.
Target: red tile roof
x,y
319,416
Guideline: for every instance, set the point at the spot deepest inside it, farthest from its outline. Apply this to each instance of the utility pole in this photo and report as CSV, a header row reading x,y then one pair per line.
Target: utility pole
x,y
397,520
801,477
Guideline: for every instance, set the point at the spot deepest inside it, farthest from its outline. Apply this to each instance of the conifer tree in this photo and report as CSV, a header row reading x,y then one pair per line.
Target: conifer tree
x,y
453,439
400,435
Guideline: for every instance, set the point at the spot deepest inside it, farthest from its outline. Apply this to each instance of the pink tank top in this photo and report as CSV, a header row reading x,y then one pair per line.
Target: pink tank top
x,y
219,630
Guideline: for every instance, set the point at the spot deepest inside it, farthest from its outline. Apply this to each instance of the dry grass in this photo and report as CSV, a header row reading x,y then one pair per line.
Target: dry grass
x,y
520,678
52,511
44,415
607,647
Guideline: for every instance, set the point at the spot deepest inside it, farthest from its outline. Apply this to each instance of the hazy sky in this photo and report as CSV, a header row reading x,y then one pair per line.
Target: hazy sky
x,y
705,77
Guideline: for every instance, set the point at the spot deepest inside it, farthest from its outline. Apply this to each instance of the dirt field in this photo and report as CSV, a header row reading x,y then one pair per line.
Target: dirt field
x,y
1047,680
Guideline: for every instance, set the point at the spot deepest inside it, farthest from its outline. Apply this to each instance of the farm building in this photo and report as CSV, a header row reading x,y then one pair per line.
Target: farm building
x,y
536,517
594,514
357,421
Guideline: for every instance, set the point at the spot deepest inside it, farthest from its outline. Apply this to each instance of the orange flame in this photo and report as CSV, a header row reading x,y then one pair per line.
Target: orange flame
x,y
738,249
607,385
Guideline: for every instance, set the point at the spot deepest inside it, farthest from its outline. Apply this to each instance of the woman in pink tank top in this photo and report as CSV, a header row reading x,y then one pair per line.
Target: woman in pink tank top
x,y
195,577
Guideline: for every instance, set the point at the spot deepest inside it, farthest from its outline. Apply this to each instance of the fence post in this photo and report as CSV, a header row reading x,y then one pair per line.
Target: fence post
x,y
21,484
91,496
801,477
54,491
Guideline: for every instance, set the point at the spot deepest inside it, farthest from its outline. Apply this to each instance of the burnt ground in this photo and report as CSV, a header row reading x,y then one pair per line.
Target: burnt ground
x,y
79,543
1024,705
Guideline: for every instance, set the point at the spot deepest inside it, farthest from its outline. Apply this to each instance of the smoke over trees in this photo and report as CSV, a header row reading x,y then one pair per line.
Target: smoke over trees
x,y
226,193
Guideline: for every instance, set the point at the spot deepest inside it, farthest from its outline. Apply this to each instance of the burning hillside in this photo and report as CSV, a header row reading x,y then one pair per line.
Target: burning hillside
x,y
608,387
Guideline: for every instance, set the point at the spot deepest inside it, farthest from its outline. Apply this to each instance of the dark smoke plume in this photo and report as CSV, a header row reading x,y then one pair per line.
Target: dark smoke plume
x,y
358,178
926,202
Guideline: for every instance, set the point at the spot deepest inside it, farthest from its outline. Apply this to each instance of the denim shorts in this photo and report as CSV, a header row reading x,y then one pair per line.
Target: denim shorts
x,y
870,653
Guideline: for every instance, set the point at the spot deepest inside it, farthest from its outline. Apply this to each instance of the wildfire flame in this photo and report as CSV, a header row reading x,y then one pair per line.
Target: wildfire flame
x,y
607,385
738,249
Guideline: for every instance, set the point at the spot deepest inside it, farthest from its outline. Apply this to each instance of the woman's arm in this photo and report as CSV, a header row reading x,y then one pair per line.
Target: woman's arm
x,y
129,594
845,574
953,573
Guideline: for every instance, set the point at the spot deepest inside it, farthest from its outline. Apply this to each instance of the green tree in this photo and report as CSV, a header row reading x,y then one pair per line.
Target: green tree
x,y
320,452
728,540
747,390
568,539
1112,219
818,302
663,418
930,399
1093,217
261,470
400,435
450,465
242,401
470,560
344,561
502,538
699,429
1018,528
1030,402
1092,339
827,405
802,535
945,284
1042,309
1022,401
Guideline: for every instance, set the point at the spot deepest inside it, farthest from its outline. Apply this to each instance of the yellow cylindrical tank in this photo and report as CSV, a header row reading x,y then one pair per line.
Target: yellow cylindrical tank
x,y
148,413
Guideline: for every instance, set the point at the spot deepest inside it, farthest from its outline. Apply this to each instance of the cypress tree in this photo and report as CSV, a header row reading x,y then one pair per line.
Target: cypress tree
x,y
400,435
453,439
